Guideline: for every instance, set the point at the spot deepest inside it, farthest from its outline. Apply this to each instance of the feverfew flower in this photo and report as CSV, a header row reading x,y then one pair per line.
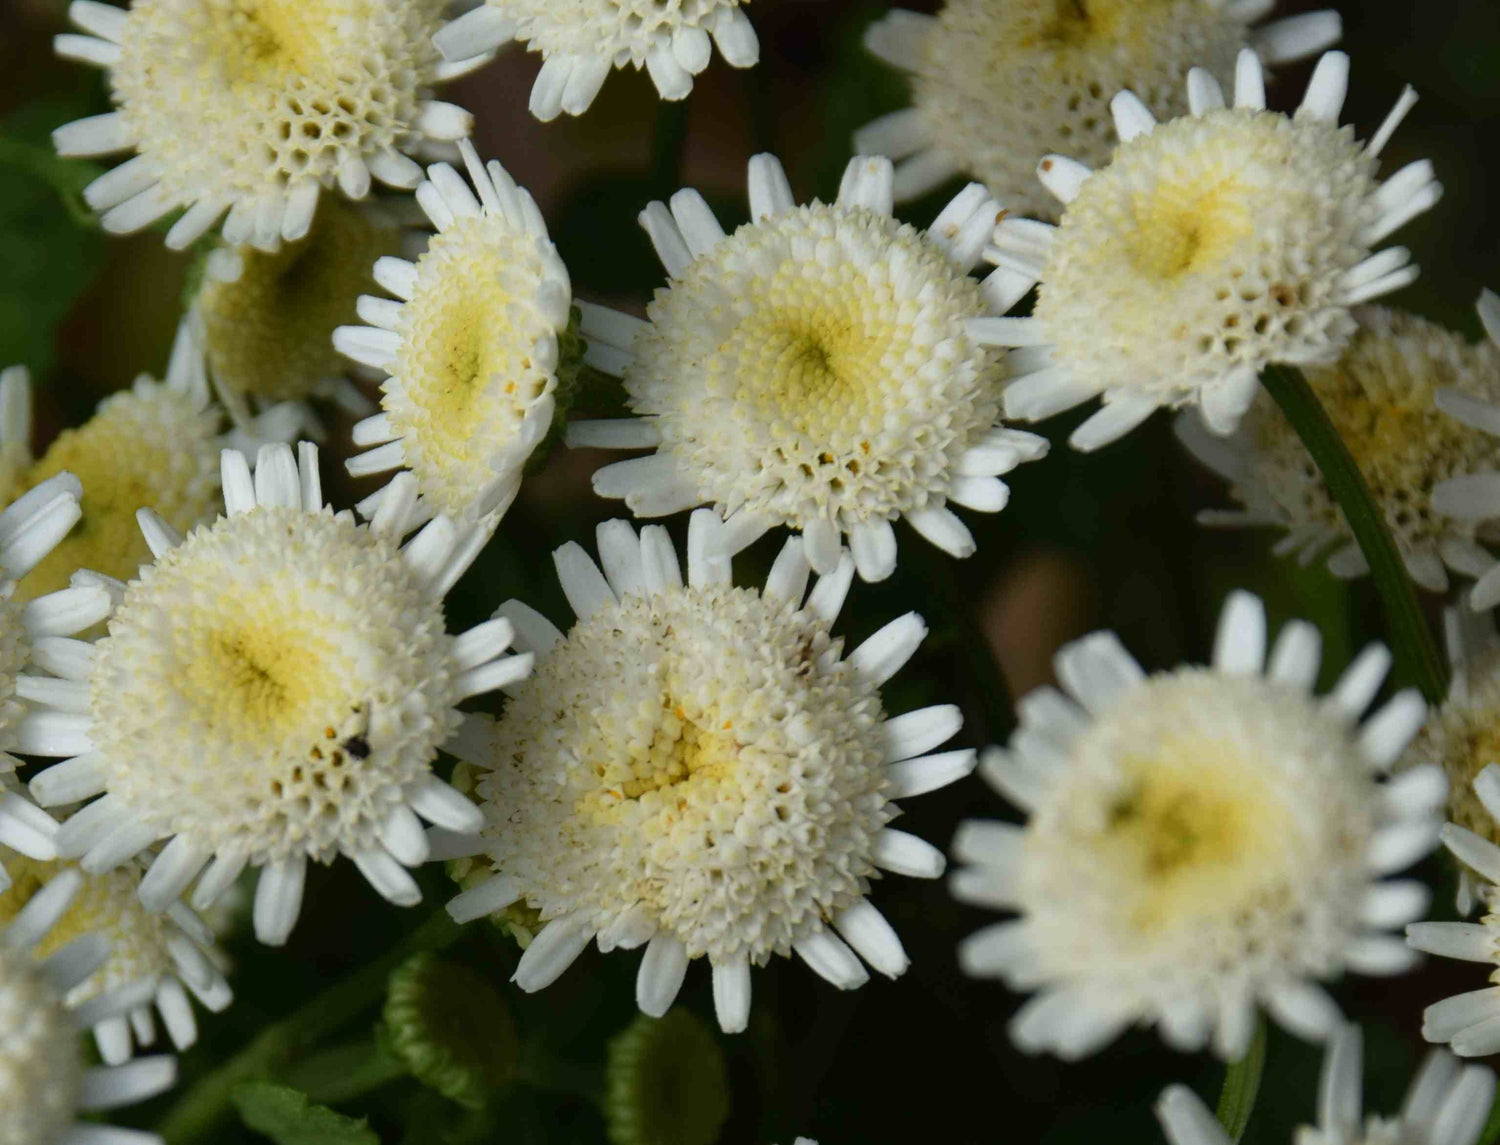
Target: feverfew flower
x,y
1210,247
997,86
44,1082
175,951
1447,1105
253,107
699,770
477,351
1381,398
272,690
824,367
582,40
1198,842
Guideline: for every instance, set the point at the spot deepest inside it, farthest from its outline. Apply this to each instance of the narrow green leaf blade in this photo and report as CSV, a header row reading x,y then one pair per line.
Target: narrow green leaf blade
x,y
1242,1084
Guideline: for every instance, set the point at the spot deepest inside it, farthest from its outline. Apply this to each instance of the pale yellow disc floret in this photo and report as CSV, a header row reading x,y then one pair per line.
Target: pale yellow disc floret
x,y
275,685
41,1062
1463,738
147,447
229,98
816,365
698,756
468,370
623,31
1002,84
1209,830
1380,398
1211,245
269,333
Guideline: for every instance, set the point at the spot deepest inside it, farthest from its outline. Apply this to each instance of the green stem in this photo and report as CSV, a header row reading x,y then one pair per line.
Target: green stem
x,y
1411,637
542,1069
201,1109
1241,1084
342,1073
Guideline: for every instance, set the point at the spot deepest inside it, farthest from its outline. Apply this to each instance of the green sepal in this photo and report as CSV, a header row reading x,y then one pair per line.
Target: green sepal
x,y
287,1117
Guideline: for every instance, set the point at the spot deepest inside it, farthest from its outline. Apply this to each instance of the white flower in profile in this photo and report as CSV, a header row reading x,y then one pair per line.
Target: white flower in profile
x,y
44,1081
251,109
475,349
581,41
824,367
1382,396
997,86
698,769
273,690
1209,248
175,950
1198,842
1447,1104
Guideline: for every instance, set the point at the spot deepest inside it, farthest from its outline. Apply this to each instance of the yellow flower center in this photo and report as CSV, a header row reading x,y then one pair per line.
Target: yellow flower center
x,y
266,671
1188,227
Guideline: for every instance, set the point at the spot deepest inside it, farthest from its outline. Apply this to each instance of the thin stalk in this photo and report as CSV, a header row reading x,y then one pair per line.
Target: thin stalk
x,y
1411,637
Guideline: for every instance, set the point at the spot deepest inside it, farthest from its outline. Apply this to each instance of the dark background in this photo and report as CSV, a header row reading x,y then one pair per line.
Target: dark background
x,y
1104,540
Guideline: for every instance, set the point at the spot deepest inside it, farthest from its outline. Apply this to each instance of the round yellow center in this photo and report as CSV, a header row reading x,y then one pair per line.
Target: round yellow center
x,y
267,671
1188,227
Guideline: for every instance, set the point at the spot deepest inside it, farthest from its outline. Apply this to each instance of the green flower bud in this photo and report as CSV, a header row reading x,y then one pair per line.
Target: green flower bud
x,y
665,1083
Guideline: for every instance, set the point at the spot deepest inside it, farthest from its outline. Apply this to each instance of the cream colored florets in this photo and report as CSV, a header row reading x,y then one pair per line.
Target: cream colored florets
x,y
700,757
41,1066
623,31
294,661
1463,738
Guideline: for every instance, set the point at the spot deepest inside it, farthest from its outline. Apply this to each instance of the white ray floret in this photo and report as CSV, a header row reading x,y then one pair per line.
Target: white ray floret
x,y
1447,1104
1210,247
247,112
472,348
996,87
44,1081
1382,396
1199,842
824,367
272,691
580,42
698,771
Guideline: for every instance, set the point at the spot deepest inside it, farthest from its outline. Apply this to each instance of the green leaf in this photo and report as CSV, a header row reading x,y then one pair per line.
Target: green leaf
x,y
286,1116
1242,1084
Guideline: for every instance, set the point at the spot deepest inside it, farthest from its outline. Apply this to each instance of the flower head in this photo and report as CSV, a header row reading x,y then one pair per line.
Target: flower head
x,y
582,40
824,367
698,769
1198,841
252,107
478,350
273,689
996,86
1381,396
44,1083
1210,247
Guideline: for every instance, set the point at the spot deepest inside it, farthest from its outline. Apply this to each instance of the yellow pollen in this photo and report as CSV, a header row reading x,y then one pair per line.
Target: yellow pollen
x,y
682,751
260,40
270,671
1185,228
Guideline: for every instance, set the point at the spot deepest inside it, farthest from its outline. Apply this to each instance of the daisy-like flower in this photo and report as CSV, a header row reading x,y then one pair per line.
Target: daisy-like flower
x,y
477,348
44,1081
272,690
1446,1105
253,107
697,769
581,41
266,320
1198,842
171,950
1210,247
824,367
1381,398
998,84
155,444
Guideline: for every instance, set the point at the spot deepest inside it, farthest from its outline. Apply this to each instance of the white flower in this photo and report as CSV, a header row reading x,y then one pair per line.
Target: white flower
x,y
174,950
997,86
253,107
1381,398
698,769
582,40
272,690
44,1082
1446,1105
1197,842
824,367
1209,248
472,351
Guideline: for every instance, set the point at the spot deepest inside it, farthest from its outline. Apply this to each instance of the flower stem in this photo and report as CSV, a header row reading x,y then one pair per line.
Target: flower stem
x,y
199,1112
1241,1084
1411,637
